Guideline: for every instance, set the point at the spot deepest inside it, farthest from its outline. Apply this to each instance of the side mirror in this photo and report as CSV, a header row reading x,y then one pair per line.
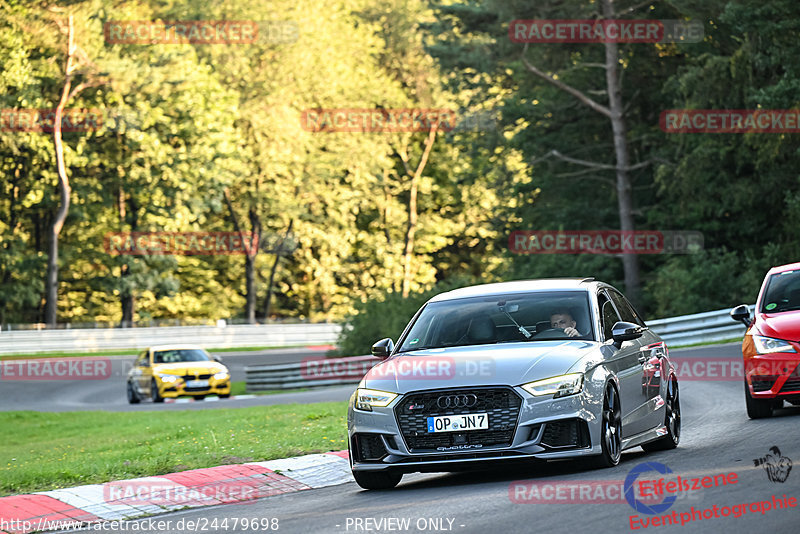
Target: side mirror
x,y
741,313
622,331
216,358
383,348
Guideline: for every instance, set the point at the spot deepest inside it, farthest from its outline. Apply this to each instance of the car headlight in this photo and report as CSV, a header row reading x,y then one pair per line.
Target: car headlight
x,y
768,345
168,379
558,386
366,399
222,375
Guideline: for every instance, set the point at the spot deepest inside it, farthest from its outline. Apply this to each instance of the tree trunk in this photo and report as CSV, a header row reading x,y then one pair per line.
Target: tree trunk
x,y
615,113
273,270
412,210
51,283
630,262
67,93
251,251
250,289
128,302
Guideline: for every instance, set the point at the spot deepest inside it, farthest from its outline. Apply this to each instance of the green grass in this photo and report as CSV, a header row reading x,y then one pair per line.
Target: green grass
x,y
240,388
42,451
127,352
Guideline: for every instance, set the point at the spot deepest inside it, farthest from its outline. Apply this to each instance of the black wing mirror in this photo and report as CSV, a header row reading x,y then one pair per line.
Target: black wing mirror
x,y
383,348
741,313
622,331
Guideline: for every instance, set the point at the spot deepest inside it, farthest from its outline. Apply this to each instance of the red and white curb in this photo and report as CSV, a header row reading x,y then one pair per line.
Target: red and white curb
x,y
130,499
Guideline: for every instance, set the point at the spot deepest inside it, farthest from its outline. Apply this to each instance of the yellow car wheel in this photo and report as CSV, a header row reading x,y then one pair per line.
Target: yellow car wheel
x,y
154,393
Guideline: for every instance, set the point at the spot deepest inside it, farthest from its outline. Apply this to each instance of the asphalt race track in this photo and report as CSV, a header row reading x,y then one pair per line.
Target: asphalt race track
x,y
109,394
717,438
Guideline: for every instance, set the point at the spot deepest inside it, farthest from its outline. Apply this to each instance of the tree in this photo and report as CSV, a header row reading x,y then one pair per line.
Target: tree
x,y
76,58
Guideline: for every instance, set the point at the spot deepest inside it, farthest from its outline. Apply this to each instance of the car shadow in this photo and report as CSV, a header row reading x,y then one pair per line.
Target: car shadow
x,y
529,470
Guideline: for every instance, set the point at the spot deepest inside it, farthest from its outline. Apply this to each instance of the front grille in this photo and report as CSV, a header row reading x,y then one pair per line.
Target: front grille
x,y
188,376
195,390
763,382
501,404
792,385
566,433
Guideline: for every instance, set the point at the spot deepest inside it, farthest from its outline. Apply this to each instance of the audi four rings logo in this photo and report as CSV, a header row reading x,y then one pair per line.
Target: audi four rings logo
x,y
457,401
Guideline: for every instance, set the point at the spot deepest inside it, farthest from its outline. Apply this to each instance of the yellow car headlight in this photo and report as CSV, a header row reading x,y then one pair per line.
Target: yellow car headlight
x,y
168,379
558,386
366,399
222,375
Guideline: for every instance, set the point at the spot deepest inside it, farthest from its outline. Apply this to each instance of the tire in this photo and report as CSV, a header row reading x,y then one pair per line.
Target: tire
x,y
133,397
199,397
672,420
377,480
757,408
226,396
154,394
610,430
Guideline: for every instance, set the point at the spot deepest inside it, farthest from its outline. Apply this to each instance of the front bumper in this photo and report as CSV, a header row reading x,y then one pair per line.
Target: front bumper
x,y
771,376
542,428
171,390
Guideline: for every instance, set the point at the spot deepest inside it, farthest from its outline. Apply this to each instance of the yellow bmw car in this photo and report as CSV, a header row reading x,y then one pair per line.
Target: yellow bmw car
x,y
171,371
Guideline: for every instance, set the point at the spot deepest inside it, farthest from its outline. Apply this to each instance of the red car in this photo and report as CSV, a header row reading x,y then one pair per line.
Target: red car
x,y
771,346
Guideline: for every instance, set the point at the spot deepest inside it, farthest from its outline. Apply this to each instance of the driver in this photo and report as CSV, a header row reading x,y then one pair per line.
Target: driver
x,y
563,320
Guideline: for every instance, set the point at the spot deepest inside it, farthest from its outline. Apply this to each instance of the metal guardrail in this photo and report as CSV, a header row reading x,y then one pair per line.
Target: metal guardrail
x,y
676,331
84,340
310,373
699,327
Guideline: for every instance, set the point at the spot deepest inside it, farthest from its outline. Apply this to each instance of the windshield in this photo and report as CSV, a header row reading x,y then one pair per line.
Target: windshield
x,y
180,355
782,293
517,318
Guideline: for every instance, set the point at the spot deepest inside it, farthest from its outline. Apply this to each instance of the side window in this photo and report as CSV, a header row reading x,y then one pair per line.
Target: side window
x,y
608,314
626,311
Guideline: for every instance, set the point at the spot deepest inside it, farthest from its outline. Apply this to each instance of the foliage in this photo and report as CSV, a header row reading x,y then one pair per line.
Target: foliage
x,y
186,122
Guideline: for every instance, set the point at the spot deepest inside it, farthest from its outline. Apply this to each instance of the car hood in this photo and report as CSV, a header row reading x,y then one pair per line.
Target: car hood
x,y
784,325
507,364
190,368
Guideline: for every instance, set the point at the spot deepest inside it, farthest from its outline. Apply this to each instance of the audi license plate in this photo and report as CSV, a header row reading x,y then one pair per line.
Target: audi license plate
x,y
197,383
458,423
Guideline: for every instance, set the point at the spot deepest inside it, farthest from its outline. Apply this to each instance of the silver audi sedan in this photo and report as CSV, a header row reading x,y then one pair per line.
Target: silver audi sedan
x,y
545,369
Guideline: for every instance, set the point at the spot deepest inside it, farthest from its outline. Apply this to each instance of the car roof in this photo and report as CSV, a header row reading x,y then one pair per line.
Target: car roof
x,y
784,268
518,286
175,347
